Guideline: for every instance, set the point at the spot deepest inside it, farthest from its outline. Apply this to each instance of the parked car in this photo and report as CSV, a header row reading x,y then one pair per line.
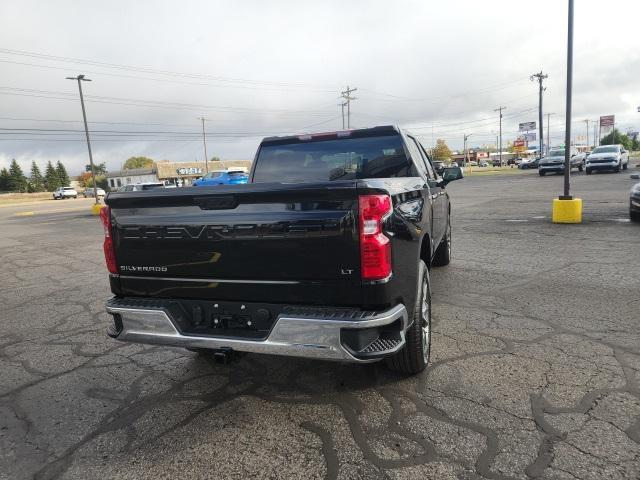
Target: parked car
x,y
141,187
88,192
65,192
325,254
554,162
496,162
634,200
528,163
607,157
483,163
222,177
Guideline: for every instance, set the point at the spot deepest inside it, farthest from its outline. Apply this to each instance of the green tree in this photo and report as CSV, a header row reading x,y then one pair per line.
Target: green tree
x,y
215,159
441,151
17,180
100,169
4,180
36,181
51,180
63,176
137,162
615,138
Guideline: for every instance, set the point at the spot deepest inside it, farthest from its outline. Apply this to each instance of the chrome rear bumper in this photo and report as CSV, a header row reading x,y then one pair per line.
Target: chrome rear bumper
x,y
299,335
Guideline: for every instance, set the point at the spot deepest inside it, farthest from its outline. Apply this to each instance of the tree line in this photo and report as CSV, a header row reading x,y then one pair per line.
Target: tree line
x,y
14,179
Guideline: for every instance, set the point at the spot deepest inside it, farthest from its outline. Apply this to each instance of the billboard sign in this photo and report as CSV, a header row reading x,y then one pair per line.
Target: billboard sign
x,y
526,126
607,121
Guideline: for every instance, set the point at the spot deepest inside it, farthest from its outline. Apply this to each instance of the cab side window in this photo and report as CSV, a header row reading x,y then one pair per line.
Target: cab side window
x,y
421,158
427,161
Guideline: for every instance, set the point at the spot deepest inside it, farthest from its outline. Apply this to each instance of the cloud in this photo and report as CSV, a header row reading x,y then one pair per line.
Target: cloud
x,y
256,68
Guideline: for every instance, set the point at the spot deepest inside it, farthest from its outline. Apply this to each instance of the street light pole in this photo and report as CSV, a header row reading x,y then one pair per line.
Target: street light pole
x,y
548,136
567,132
80,79
204,143
499,109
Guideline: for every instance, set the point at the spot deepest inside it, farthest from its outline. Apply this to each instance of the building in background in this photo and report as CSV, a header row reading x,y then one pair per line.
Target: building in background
x,y
119,178
180,174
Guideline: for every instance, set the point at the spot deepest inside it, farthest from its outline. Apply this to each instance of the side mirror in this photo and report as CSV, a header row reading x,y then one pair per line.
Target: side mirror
x,y
450,174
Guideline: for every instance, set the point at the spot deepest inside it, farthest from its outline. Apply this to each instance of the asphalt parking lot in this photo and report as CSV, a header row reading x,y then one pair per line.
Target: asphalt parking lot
x,y
535,367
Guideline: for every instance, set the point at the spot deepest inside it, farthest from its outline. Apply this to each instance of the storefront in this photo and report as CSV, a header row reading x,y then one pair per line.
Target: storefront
x,y
184,173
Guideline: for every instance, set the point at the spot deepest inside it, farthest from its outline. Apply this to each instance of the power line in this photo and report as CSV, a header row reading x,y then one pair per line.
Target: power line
x,y
154,71
150,103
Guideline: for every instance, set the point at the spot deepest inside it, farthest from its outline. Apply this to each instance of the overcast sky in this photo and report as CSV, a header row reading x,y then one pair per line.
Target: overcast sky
x,y
253,68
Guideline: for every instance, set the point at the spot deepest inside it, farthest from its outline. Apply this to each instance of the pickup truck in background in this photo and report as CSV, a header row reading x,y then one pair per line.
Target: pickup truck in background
x,y
324,254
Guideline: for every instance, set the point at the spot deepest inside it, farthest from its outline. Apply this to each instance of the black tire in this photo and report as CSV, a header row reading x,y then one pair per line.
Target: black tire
x,y
414,356
617,169
541,173
588,171
634,216
443,252
625,166
579,168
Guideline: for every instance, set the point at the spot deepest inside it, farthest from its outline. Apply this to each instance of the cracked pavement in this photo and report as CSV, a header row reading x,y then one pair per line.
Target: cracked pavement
x,y
535,369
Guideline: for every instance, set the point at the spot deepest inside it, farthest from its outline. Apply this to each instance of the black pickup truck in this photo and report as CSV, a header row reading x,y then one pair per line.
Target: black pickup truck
x,y
324,254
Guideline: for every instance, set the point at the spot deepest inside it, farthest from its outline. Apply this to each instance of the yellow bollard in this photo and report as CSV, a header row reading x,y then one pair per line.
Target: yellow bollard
x,y
566,211
96,207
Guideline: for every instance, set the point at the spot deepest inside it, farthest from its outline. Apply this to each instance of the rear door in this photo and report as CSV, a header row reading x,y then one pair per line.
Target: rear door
x,y
435,192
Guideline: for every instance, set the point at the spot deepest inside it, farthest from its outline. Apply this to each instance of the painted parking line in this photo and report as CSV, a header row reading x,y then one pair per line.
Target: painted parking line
x,y
46,212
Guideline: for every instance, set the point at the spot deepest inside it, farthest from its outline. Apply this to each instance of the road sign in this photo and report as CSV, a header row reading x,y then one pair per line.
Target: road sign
x,y
529,137
526,126
607,121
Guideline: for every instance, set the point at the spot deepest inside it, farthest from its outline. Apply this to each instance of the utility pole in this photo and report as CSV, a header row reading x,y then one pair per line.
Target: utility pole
x,y
347,96
342,105
540,77
499,109
80,79
595,132
548,137
204,143
466,152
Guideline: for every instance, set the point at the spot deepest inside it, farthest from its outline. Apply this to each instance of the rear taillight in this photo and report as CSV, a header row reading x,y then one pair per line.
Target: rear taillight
x,y
375,247
109,250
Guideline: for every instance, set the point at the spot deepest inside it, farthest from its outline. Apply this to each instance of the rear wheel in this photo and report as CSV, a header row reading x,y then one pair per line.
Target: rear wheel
x,y
541,173
588,171
443,253
414,356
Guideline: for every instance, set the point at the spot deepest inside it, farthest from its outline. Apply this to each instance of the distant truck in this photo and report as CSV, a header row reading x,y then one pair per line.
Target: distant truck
x,y
325,254
608,157
554,161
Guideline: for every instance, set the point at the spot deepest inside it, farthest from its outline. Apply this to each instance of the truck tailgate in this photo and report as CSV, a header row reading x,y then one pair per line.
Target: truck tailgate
x,y
227,242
